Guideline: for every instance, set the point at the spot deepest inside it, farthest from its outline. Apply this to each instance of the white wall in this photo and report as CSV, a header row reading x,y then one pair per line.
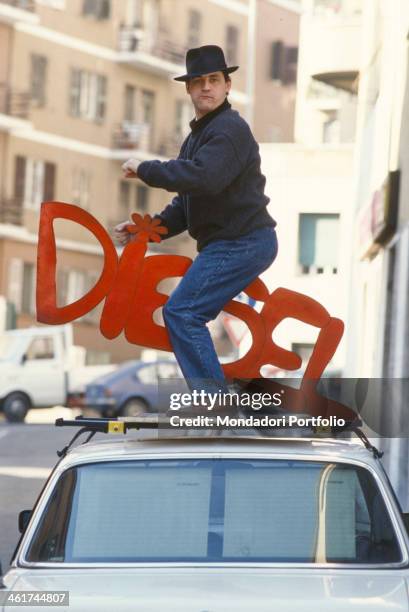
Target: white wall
x,y
307,180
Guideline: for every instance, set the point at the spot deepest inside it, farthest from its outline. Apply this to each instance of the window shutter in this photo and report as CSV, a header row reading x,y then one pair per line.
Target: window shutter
x,y
88,7
75,92
142,195
62,287
232,40
100,98
90,280
15,282
49,182
290,67
124,198
19,177
38,78
277,60
104,9
28,289
194,28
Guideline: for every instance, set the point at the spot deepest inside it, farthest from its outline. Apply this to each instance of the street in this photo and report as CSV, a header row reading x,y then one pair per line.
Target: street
x,y
27,454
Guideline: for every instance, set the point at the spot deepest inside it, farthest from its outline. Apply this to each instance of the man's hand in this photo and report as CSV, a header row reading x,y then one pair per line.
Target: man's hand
x,y
121,234
130,168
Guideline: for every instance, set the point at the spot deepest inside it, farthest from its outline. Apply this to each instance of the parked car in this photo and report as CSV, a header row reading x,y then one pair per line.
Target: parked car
x,y
132,389
216,523
41,367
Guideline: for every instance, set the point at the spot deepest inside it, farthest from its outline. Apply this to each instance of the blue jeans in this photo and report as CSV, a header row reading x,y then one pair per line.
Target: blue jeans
x,y
218,274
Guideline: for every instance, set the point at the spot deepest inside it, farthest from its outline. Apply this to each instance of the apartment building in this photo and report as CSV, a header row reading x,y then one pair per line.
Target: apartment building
x,y
86,84
275,60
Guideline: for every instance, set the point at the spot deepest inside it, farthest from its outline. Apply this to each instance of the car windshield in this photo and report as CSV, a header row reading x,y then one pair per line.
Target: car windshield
x,y
215,510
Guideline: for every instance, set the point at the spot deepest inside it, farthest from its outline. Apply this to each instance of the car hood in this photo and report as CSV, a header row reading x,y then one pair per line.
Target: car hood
x,y
221,589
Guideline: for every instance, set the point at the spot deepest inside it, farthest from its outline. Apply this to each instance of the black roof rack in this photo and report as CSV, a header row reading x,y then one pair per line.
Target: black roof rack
x,y
121,425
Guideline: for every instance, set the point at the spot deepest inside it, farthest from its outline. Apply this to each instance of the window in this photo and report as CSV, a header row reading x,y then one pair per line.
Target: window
x,y
34,184
101,91
331,129
129,103
232,45
147,107
183,117
277,52
318,243
283,62
28,304
87,95
15,282
90,279
124,199
168,370
216,510
62,286
72,285
194,28
39,182
147,374
41,348
22,285
99,9
81,183
142,196
140,199
304,350
38,78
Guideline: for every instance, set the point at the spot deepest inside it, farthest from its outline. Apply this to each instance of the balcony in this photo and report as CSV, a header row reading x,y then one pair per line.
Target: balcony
x,y
132,135
11,211
14,103
14,108
15,11
332,42
158,56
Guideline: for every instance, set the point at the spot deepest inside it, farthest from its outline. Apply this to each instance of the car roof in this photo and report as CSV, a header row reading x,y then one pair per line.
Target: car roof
x,y
138,446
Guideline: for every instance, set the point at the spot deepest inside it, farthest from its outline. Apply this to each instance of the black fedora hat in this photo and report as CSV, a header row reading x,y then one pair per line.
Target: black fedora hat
x,y
203,60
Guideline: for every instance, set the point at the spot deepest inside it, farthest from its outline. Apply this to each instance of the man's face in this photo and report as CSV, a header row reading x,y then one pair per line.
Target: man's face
x,y
207,92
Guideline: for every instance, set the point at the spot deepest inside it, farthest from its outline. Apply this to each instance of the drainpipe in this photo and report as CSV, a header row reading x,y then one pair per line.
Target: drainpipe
x,y
251,60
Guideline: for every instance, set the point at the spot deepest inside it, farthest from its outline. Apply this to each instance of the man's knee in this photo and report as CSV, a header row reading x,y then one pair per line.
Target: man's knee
x,y
182,314
172,311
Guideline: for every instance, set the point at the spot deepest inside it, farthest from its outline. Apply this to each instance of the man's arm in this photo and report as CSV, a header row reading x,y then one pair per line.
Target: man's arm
x,y
173,218
215,165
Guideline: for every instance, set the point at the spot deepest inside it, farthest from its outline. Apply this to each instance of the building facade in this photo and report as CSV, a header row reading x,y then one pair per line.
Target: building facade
x,y
378,333
84,85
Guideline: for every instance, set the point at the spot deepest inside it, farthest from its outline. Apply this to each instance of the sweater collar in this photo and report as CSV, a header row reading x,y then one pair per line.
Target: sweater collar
x,y
197,124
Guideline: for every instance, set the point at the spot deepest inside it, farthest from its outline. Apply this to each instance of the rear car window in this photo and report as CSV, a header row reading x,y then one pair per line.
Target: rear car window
x,y
216,511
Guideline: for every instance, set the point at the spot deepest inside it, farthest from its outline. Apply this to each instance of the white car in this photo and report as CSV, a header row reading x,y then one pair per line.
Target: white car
x,y
216,524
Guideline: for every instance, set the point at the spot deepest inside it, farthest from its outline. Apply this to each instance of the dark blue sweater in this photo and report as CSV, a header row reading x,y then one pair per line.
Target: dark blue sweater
x,y
218,179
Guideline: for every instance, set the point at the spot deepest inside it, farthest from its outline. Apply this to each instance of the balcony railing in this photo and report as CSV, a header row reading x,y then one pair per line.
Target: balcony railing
x,y
11,211
132,135
14,103
25,5
342,8
136,39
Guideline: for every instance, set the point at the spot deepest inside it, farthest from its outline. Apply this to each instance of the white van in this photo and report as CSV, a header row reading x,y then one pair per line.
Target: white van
x,y
40,367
